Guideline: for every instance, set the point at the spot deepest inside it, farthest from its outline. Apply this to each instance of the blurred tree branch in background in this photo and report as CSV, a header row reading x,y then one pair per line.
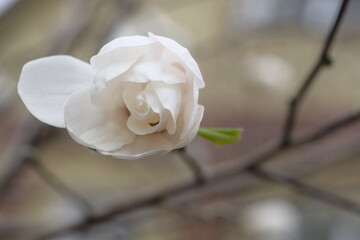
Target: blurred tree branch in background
x,y
323,61
55,182
29,131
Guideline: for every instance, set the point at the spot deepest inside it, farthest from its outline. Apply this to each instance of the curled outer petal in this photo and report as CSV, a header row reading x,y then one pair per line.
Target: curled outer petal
x,y
46,83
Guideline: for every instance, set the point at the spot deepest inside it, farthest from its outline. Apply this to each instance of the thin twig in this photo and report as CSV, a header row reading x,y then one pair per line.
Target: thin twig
x,y
122,209
323,132
323,61
332,127
57,184
309,190
14,158
193,165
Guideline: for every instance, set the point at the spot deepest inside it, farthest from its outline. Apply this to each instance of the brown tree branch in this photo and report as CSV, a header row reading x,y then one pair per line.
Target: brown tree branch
x,y
25,135
56,183
323,132
309,190
193,165
330,128
323,61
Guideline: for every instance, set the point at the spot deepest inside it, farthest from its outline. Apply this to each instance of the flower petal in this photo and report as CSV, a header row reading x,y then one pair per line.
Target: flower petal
x,y
123,49
183,54
114,70
107,94
195,128
190,107
170,98
143,146
143,126
156,71
46,83
104,130
126,41
134,98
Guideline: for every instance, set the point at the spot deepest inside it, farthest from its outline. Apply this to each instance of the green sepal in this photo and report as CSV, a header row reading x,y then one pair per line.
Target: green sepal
x,y
220,136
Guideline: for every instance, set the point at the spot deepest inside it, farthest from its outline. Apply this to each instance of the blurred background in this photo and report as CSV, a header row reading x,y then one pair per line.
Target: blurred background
x,y
254,55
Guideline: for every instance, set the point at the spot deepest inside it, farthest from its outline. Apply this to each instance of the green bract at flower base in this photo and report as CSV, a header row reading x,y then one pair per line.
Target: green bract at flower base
x,y
221,136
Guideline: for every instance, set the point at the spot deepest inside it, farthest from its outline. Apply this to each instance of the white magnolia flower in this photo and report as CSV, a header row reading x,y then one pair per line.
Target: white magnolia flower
x,y
137,97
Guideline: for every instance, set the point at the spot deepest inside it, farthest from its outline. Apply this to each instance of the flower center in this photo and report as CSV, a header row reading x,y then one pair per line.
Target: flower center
x,y
140,103
144,108
154,120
